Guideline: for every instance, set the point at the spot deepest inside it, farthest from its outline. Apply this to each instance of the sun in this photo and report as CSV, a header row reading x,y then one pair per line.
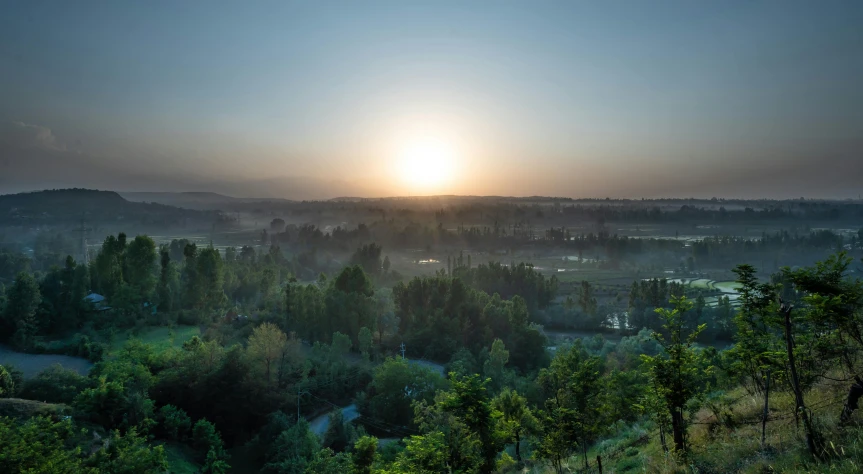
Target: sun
x,y
427,164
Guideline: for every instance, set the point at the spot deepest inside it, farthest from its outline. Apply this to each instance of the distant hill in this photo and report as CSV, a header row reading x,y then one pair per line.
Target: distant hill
x,y
59,206
193,200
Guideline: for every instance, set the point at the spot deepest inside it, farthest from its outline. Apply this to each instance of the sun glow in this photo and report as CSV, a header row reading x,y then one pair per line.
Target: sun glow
x,y
426,165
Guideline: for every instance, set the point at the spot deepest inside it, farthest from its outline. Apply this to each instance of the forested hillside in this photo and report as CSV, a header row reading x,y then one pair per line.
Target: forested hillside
x,y
216,361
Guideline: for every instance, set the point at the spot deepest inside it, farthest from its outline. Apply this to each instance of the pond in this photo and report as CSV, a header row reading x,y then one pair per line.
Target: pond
x,y
32,364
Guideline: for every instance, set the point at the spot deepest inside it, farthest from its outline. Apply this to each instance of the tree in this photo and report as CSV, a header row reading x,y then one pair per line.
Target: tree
x,y
467,400
205,436
292,450
266,346
326,461
369,258
7,385
758,343
19,315
166,298
425,454
396,384
577,407
586,300
339,433
277,225
211,276
54,385
365,338
175,422
495,366
140,258
129,453
363,454
38,445
108,265
676,372
517,418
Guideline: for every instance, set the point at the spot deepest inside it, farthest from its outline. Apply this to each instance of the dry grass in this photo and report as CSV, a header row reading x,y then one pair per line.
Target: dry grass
x,y
732,444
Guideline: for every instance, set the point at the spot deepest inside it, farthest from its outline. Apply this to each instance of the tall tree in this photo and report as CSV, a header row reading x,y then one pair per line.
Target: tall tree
x,y
19,315
266,347
517,418
139,261
676,373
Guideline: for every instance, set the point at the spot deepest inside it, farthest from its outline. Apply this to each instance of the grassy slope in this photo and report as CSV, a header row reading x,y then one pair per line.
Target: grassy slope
x,y
180,459
735,446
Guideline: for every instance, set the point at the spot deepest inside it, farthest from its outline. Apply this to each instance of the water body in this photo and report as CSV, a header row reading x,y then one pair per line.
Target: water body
x,y
32,364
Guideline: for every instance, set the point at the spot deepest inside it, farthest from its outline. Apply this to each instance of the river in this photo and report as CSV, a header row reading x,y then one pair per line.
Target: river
x,y
32,364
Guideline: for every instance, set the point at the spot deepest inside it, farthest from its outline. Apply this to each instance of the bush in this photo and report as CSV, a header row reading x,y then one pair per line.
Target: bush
x,y
54,385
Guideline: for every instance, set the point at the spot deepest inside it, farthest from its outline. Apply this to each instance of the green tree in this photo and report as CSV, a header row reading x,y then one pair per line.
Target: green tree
x,y
396,384
577,403
7,385
676,373
266,348
363,454
210,273
425,454
54,385
105,403
19,315
38,446
292,450
129,453
139,261
468,401
586,300
205,437
495,366
759,348
326,461
365,338
166,274
516,418
175,422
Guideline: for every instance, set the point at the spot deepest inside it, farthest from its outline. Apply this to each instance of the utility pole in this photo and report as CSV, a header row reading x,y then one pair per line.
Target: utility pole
x,y
403,350
300,393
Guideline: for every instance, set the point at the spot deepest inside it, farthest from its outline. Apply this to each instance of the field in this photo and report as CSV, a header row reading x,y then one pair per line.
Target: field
x,y
161,338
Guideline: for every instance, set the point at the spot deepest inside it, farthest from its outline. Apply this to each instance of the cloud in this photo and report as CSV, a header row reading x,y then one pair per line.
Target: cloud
x,y
29,137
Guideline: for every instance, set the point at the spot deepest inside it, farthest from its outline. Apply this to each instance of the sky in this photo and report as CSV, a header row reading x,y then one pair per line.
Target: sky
x,y
318,99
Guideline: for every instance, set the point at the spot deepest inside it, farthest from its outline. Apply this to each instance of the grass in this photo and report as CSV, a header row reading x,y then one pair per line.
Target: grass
x,y
21,409
181,459
161,338
733,445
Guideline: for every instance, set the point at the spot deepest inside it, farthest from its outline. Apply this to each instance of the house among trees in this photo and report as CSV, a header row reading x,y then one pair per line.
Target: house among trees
x,y
98,301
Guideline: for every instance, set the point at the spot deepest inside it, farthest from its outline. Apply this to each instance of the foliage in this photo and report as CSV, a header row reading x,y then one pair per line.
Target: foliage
x,y
54,385
396,385
174,422
677,373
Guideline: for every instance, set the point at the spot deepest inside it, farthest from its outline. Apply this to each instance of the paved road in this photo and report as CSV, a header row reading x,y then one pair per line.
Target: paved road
x,y
320,424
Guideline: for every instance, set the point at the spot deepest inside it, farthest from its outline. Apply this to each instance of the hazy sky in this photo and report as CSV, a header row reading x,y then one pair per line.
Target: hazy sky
x,y
319,98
